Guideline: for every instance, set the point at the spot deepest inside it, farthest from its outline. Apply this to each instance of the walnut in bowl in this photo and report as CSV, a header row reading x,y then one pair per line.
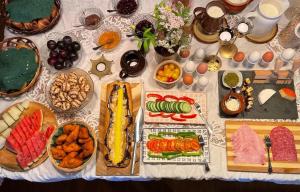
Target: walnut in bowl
x,y
69,91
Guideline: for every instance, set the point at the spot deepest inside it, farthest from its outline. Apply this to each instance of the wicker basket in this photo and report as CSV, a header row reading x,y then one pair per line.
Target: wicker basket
x,y
21,42
19,28
77,169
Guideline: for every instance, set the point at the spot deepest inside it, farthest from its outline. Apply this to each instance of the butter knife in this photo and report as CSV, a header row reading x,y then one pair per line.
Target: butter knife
x,y
207,125
139,120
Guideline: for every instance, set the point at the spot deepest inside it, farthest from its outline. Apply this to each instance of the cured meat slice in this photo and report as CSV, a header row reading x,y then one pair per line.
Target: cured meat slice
x,y
283,144
248,147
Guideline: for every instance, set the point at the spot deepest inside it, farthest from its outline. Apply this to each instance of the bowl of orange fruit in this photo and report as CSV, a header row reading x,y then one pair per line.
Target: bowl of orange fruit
x,y
168,73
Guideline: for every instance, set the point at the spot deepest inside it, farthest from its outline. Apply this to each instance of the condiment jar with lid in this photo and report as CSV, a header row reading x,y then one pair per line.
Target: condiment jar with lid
x,y
237,59
287,55
198,55
266,59
252,59
189,67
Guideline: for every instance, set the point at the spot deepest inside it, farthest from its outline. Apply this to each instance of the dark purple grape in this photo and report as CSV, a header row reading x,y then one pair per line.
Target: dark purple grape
x,y
51,44
73,56
67,40
52,61
59,66
63,53
76,46
60,60
53,54
69,48
60,45
68,63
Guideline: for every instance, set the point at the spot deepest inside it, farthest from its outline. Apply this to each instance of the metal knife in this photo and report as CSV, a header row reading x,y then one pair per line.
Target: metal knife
x,y
139,120
207,125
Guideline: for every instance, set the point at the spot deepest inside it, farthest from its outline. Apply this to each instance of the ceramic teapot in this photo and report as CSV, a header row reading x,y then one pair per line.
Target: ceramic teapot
x,y
267,16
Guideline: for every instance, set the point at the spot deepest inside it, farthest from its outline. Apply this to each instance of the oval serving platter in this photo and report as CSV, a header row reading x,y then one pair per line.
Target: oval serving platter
x,y
8,158
35,26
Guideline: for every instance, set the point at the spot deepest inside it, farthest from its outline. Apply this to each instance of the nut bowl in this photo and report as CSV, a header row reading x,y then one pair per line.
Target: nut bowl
x,y
236,96
167,85
64,91
52,143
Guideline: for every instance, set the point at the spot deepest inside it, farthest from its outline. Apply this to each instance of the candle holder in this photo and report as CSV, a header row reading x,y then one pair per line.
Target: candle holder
x,y
227,38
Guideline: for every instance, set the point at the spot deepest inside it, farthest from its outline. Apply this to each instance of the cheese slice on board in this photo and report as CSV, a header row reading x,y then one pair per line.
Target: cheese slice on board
x,y
2,142
265,95
6,133
3,126
8,119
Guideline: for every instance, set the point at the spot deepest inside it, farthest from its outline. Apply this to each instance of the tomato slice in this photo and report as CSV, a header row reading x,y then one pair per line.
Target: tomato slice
x,y
187,99
177,119
187,145
168,115
195,146
188,116
155,95
155,114
156,146
172,97
163,145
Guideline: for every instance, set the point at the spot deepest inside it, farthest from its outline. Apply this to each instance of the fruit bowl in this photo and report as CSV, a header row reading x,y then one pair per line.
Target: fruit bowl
x,y
162,76
52,143
61,52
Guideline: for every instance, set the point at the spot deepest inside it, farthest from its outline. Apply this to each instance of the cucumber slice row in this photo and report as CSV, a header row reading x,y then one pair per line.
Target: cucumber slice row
x,y
168,106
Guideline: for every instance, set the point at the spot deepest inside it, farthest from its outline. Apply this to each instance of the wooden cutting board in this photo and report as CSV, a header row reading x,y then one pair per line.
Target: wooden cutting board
x,y
7,158
101,168
262,129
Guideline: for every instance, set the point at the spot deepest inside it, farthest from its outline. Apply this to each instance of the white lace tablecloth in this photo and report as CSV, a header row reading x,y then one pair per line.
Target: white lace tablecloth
x,y
47,173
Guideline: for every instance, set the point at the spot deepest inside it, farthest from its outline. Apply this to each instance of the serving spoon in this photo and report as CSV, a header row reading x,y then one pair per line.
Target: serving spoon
x,y
109,41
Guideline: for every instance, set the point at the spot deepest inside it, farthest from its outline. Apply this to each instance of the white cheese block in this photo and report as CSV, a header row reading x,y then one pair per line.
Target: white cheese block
x,y
20,107
14,113
265,95
8,119
25,104
6,133
2,142
3,126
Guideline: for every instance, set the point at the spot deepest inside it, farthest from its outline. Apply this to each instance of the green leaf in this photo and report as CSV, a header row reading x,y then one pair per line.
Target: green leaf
x,y
146,46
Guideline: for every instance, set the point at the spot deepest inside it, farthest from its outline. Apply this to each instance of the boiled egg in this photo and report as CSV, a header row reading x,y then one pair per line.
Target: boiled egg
x,y
202,68
268,56
239,56
188,79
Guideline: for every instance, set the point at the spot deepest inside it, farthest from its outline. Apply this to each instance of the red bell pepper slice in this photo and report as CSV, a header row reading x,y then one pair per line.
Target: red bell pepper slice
x,y
170,97
159,97
167,115
187,99
155,114
177,119
188,116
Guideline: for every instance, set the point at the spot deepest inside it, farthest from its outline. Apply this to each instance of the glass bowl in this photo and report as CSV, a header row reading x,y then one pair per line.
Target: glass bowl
x,y
135,20
101,31
116,3
91,11
56,36
89,94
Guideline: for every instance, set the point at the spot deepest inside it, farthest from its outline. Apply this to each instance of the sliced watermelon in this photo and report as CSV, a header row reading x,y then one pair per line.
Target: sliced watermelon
x,y
20,132
14,144
17,137
27,155
25,131
36,147
39,118
49,131
30,147
28,125
22,161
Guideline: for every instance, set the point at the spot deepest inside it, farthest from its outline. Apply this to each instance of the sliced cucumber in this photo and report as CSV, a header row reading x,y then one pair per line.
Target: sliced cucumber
x,y
185,107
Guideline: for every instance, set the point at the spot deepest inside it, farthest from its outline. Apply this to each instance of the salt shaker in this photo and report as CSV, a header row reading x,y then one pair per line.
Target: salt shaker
x,y
252,59
287,55
199,55
267,58
237,59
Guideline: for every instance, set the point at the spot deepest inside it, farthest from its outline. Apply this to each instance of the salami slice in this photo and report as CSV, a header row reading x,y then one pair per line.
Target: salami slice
x,y
283,144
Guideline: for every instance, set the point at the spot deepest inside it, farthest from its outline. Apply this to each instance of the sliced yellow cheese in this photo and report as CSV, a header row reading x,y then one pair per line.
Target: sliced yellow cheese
x,y
6,133
15,113
117,158
25,104
20,107
8,119
3,126
2,142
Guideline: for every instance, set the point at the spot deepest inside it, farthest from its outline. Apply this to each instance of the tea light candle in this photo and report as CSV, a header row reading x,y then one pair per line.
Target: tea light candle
x,y
225,36
243,28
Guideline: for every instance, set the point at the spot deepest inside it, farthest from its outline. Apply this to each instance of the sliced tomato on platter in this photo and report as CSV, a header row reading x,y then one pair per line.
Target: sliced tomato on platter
x,y
188,116
177,118
157,96
163,145
195,146
187,99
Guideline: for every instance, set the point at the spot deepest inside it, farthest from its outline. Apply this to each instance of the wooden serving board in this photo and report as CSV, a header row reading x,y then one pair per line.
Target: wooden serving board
x,y
262,129
7,158
199,98
101,168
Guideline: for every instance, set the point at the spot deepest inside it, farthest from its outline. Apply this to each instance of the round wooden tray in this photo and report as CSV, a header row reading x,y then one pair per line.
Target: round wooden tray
x,y
202,37
263,39
7,158
18,27
21,42
55,162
